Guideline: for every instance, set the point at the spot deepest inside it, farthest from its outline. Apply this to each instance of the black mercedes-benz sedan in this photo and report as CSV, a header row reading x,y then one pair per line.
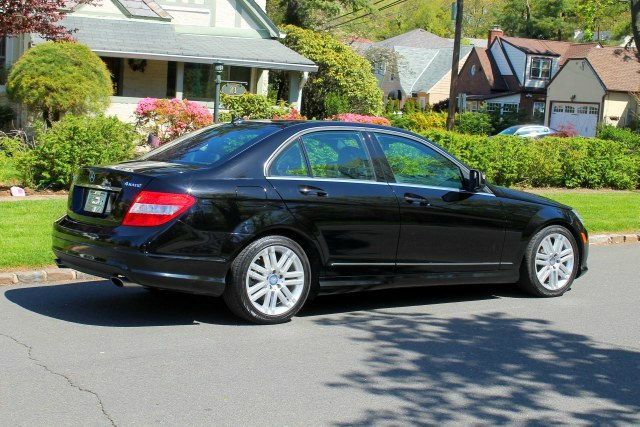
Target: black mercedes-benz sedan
x,y
267,213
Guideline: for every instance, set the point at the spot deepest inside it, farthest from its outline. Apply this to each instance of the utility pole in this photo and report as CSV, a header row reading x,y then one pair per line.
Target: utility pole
x,y
218,68
453,94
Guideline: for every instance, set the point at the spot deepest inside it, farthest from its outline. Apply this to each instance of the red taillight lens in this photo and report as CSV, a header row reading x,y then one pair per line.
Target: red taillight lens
x,y
151,208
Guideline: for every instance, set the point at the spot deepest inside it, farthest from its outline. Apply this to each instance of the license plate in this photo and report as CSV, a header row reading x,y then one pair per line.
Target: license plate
x,y
96,201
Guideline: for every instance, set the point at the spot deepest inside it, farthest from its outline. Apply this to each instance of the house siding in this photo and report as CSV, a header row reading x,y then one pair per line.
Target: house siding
x,y
518,59
619,108
576,79
152,83
473,85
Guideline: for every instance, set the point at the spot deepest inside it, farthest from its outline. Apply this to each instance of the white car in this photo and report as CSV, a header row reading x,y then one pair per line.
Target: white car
x,y
528,131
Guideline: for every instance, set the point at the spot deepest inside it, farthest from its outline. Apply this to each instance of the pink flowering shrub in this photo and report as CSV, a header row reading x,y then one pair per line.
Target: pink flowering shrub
x,y
170,118
293,114
360,118
566,131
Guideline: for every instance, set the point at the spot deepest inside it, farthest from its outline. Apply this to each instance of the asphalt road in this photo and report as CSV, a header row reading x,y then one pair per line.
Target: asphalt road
x,y
93,354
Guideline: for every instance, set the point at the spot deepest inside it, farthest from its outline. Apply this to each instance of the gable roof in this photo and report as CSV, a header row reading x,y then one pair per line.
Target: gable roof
x,y
618,68
538,47
490,69
437,69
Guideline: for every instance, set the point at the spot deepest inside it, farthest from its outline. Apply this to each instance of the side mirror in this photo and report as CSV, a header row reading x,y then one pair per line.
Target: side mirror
x,y
477,180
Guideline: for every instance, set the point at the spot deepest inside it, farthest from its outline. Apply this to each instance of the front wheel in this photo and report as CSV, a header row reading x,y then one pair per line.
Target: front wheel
x,y
550,263
270,281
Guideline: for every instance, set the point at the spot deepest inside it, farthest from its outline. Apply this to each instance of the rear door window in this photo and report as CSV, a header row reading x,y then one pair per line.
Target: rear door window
x,y
338,155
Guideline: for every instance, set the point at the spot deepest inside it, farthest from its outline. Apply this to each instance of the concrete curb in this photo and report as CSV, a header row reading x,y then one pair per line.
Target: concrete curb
x,y
53,274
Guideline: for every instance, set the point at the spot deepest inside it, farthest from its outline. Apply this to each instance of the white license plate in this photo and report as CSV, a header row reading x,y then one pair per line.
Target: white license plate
x,y
96,201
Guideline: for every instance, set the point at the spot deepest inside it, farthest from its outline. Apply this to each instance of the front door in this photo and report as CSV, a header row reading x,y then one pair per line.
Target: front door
x,y
327,180
443,227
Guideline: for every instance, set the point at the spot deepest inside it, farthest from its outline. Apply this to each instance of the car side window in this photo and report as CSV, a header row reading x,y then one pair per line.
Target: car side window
x,y
338,154
415,163
290,162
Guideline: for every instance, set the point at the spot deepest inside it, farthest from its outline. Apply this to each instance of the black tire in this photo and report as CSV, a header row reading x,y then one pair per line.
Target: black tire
x,y
235,294
529,281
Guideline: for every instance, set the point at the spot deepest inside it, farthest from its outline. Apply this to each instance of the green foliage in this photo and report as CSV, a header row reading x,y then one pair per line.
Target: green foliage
x,y
73,142
4,73
335,104
60,77
311,13
341,72
474,123
410,106
621,135
252,106
556,162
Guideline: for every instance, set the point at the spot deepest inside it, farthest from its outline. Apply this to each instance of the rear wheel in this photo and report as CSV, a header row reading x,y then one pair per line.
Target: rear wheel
x,y
270,281
551,262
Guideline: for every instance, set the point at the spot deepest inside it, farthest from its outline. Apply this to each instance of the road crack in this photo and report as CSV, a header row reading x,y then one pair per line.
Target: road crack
x,y
39,363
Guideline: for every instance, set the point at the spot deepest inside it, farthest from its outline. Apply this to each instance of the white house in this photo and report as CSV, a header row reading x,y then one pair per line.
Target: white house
x,y
167,48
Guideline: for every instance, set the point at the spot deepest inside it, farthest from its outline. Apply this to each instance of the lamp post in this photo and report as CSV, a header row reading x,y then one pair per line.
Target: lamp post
x,y
218,67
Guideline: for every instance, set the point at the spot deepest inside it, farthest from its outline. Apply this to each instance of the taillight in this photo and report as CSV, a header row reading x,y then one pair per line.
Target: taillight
x,y
151,208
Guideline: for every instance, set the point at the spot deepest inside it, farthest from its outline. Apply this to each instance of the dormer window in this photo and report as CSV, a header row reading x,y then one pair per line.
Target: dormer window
x,y
540,68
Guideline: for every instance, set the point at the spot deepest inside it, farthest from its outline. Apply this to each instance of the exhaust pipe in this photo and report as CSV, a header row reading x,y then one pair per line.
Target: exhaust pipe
x,y
123,282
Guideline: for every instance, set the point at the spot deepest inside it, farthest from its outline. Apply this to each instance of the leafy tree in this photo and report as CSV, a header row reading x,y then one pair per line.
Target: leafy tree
x,y
540,19
59,77
35,16
341,72
312,14
597,15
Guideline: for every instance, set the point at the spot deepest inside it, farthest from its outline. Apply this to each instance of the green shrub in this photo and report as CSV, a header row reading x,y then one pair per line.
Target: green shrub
x,y
555,162
340,71
626,136
335,104
253,106
474,123
60,77
76,141
410,106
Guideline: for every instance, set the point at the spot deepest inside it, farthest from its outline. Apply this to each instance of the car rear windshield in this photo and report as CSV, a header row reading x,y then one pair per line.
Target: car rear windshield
x,y
212,145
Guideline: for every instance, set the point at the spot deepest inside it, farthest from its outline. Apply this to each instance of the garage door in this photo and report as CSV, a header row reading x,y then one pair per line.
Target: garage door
x,y
583,117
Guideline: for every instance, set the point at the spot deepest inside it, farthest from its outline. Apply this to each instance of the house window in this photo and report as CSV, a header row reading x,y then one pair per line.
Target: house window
x,y
473,70
540,68
593,110
558,109
509,108
492,107
570,109
115,67
502,108
199,80
539,108
379,68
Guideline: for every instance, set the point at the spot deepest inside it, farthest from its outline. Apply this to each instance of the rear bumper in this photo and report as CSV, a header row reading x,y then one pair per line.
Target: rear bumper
x,y
179,273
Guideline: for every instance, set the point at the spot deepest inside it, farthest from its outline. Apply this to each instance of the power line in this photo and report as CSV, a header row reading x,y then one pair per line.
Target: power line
x,y
352,12
396,3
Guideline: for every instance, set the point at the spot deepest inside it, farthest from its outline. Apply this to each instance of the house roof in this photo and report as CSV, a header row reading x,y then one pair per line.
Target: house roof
x,y
491,70
618,68
538,47
132,8
437,69
161,40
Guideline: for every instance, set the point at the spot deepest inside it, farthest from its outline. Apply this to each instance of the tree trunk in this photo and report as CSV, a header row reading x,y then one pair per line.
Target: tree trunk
x,y
635,21
292,13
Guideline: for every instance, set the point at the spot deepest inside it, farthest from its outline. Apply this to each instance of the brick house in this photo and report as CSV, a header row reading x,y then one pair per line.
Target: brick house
x,y
512,73
167,48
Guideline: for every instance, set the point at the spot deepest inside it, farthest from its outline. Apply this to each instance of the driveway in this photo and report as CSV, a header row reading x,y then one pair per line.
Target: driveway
x,y
94,354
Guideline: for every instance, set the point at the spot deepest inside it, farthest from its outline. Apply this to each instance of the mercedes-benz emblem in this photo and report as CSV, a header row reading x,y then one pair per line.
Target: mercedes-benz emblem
x,y
92,177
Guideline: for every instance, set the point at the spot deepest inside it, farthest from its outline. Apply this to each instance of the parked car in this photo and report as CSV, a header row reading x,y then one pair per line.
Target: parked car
x,y
267,213
529,131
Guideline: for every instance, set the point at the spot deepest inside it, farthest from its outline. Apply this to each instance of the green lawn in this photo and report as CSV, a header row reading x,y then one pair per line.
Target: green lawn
x,y
602,211
25,232
25,226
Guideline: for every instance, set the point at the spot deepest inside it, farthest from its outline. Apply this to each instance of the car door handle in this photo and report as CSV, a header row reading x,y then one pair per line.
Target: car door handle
x,y
308,190
414,199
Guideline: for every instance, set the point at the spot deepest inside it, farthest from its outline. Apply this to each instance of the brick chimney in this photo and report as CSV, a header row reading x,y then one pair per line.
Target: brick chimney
x,y
495,32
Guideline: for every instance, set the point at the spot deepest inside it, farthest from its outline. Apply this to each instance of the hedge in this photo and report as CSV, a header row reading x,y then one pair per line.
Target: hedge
x,y
548,162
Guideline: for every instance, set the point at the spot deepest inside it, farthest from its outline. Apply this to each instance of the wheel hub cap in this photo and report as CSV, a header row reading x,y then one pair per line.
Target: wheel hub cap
x,y
554,261
275,280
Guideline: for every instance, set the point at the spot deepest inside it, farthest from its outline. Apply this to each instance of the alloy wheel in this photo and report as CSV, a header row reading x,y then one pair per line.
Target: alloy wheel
x,y
275,280
554,261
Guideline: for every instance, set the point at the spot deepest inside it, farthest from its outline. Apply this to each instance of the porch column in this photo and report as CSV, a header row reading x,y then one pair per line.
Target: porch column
x,y
297,80
262,82
179,80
